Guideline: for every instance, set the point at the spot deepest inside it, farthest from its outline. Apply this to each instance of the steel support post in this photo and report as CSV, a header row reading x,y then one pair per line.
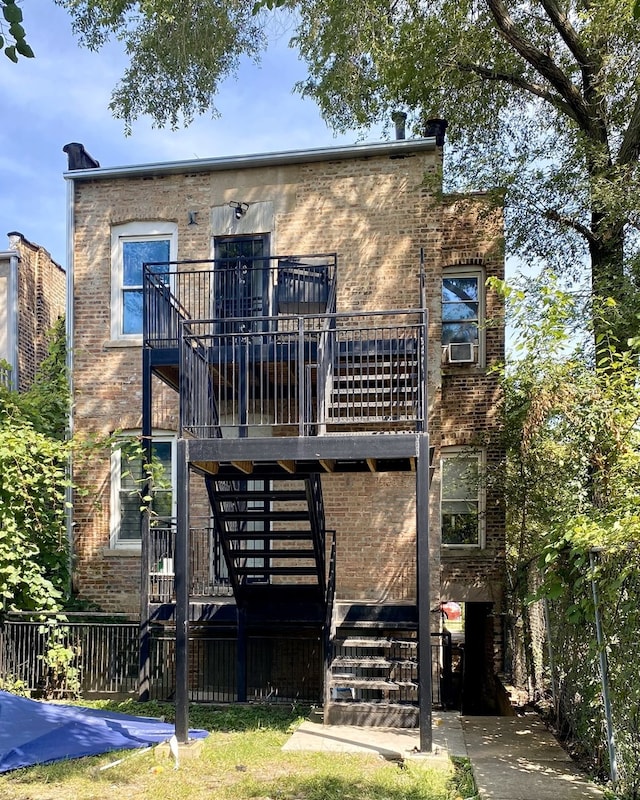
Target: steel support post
x,y
181,565
423,592
144,635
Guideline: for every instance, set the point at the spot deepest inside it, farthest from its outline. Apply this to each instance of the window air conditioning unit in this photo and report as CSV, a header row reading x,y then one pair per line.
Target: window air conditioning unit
x,y
461,353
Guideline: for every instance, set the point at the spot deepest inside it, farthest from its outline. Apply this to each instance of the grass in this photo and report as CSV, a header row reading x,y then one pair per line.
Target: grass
x,y
241,759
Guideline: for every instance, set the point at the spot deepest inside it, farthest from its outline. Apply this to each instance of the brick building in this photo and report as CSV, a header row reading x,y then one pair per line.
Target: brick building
x,y
304,338
32,298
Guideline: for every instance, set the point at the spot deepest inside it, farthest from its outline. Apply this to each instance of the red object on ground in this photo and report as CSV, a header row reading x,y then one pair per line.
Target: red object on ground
x,y
451,610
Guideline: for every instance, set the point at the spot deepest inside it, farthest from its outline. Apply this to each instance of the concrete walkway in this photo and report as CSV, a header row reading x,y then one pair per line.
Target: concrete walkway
x,y
516,758
513,758
393,744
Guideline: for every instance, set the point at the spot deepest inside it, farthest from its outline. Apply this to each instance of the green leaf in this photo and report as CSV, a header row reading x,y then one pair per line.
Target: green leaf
x,y
10,53
11,12
23,48
17,31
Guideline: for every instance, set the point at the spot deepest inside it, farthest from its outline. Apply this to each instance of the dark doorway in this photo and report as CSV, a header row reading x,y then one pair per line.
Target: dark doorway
x,y
479,695
241,280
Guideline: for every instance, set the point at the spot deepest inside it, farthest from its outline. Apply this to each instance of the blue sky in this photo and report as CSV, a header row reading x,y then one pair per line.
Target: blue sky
x,y
63,94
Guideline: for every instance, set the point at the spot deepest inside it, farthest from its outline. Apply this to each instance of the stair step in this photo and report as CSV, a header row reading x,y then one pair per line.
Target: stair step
x,y
371,662
381,713
260,570
373,362
375,377
354,418
372,396
379,643
253,515
368,642
268,536
274,495
292,553
366,662
364,683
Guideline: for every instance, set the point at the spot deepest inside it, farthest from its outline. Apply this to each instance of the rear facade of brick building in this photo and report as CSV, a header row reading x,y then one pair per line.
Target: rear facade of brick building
x,y
376,209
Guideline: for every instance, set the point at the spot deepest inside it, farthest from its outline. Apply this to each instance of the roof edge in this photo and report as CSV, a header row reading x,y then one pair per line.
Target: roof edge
x,y
399,148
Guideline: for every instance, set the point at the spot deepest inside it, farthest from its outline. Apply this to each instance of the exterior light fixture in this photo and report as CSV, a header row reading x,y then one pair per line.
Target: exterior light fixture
x,y
240,209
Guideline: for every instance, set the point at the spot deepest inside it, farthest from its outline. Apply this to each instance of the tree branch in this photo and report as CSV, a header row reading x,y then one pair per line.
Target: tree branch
x,y
589,63
519,83
563,219
544,65
630,147
566,30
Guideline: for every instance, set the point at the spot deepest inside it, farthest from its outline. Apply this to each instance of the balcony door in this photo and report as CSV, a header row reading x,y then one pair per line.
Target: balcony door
x,y
241,283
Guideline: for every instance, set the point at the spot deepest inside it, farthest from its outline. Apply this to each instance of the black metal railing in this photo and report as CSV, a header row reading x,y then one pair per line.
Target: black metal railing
x,y
104,660
306,375
207,568
100,654
279,669
329,623
315,502
235,294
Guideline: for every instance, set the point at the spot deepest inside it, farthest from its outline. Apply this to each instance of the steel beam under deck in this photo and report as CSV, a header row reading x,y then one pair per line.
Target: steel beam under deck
x,y
305,455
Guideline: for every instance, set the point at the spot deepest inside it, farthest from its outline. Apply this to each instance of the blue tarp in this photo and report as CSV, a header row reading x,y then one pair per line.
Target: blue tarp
x,y
32,732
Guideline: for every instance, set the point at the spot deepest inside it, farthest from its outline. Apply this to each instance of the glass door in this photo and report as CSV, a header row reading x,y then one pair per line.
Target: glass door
x,y
241,285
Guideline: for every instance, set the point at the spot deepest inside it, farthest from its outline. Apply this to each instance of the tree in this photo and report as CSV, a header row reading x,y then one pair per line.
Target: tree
x,y
12,34
542,99
573,520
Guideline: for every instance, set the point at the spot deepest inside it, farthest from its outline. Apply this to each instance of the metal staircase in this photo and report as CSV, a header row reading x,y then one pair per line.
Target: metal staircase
x,y
373,667
374,380
272,536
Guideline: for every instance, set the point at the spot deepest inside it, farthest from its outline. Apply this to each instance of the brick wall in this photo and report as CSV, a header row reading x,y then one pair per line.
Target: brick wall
x,y
470,401
376,214
41,301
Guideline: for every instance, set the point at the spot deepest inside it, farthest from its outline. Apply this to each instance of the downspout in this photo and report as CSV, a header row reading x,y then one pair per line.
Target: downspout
x,y
69,309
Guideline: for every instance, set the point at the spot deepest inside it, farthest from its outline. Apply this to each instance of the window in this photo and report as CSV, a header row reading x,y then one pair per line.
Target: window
x,y
461,498
462,316
127,481
132,246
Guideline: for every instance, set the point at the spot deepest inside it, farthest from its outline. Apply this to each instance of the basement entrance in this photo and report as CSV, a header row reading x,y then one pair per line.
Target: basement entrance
x,y
469,683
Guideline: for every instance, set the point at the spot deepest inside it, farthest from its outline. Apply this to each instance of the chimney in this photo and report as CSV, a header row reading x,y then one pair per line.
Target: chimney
x,y
437,128
78,157
399,120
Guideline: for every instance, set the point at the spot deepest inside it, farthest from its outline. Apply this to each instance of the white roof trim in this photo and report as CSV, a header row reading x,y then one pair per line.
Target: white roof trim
x,y
396,147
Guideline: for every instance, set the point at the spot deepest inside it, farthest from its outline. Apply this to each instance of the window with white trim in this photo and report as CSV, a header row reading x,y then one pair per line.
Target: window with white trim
x,y
463,316
462,498
132,246
129,474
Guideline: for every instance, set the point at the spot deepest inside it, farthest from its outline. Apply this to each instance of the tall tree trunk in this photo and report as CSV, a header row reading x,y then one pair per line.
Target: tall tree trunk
x,y
611,325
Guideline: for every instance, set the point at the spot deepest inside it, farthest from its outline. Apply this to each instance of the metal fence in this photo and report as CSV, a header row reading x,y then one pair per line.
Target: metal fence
x,y
103,661
208,572
69,657
278,668
104,657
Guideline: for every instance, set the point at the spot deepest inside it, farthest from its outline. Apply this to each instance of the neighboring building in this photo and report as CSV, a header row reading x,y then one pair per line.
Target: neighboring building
x,y
32,298
263,319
